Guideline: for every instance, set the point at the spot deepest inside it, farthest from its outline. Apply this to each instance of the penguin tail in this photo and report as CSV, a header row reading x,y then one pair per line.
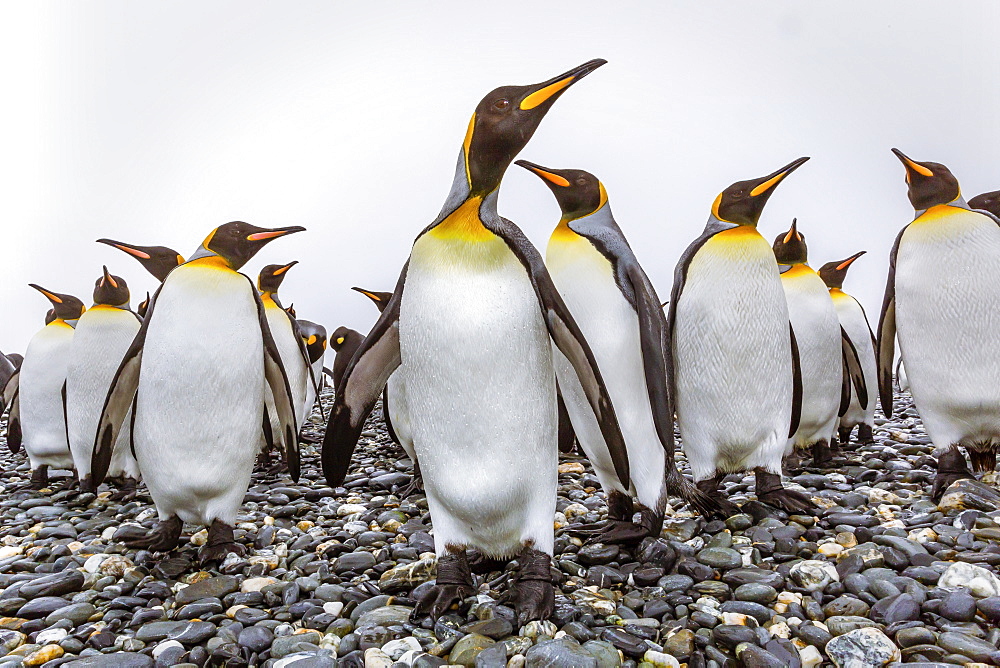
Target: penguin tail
x,y
708,506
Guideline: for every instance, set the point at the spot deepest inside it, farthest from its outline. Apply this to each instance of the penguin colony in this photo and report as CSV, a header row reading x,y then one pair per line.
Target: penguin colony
x,y
490,359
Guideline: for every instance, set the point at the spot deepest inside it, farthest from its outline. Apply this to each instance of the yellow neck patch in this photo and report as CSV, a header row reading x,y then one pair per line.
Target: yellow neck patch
x,y
739,234
59,322
936,213
837,293
563,233
801,269
211,262
464,224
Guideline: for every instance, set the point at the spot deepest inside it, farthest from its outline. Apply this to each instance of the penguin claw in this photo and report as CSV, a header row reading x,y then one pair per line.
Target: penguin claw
x,y
533,599
219,551
789,500
162,538
613,531
415,485
437,600
709,506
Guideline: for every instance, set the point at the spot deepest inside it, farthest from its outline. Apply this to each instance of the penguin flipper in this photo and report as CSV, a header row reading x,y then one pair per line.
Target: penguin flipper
x,y
565,436
277,380
656,359
359,389
10,389
304,353
14,425
853,362
845,386
386,417
569,339
796,384
885,351
62,396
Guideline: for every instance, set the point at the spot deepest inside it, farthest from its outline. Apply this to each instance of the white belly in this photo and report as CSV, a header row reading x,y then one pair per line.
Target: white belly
x,y
817,333
399,413
291,357
855,323
480,387
103,335
733,357
609,323
200,397
948,324
43,372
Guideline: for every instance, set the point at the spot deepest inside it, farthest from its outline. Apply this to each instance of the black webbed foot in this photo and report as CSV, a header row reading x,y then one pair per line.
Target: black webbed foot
x,y
532,591
39,477
453,584
221,542
163,537
720,507
865,434
770,491
951,467
415,485
822,454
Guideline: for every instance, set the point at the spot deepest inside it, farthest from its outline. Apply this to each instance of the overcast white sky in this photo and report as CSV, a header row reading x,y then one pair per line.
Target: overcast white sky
x,y
155,122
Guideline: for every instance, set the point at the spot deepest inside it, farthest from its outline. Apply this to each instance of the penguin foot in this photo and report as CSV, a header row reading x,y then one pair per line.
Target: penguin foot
x,y
705,500
865,433
951,466
87,485
770,491
415,485
163,537
619,532
307,438
221,542
532,591
983,461
453,584
822,454
844,434
793,462
127,488
39,477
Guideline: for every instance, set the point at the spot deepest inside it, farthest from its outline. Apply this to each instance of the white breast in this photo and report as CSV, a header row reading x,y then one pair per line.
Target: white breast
x,y
291,356
817,333
200,397
103,334
610,325
855,323
480,387
43,373
733,357
948,323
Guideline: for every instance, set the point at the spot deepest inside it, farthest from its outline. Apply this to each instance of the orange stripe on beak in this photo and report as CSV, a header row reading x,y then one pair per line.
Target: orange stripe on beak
x,y
540,96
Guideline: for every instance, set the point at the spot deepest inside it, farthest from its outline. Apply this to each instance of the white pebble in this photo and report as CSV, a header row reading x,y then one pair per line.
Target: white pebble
x,y
164,646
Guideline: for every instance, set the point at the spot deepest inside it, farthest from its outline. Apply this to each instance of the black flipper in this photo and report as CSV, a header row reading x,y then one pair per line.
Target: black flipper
x,y
565,436
304,352
62,396
656,359
853,363
569,339
119,401
885,350
14,425
360,389
845,386
388,418
277,380
796,384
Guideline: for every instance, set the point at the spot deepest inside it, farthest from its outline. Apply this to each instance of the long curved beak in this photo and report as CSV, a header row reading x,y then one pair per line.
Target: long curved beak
x,y
847,263
551,89
768,182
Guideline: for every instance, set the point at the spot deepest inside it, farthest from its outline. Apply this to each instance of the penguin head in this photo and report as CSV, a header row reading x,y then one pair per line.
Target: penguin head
x,y
987,202
338,337
314,336
157,260
237,242
834,273
64,307
50,316
143,306
928,183
291,310
272,275
111,290
505,120
381,299
790,247
579,193
743,202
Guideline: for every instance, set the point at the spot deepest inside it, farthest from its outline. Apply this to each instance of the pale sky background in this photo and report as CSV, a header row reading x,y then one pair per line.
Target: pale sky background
x,y
153,123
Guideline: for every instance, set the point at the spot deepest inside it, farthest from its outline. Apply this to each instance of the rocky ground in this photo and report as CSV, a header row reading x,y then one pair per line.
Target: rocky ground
x,y
883,575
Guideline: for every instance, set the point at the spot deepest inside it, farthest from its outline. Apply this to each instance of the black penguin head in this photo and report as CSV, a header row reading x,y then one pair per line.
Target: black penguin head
x,y
143,306
50,316
743,202
314,336
790,247
111,290
381,299
579,193
237,242
272,275
339,336
157,260
834,273
64,307
291,309
987,202
505,120
928,183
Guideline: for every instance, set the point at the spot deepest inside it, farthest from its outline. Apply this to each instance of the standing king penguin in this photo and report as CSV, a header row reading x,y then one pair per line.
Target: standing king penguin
x,y
859,332
38,401
314,338
196,371
469,325
735,371
103,335
942,301
615,304
394,408
821,344
345,342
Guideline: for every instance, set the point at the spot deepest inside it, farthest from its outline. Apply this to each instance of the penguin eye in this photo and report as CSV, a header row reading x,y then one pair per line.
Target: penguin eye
x,y
501,103
739,193
582,181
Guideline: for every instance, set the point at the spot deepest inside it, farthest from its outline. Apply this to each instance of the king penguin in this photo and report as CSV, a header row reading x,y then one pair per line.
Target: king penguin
x,y
859,332
820,344
38,401
735,369
988,202
314,337
196,371
619,313
103,335
469,325
942,301
345,342
7,369
394,408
